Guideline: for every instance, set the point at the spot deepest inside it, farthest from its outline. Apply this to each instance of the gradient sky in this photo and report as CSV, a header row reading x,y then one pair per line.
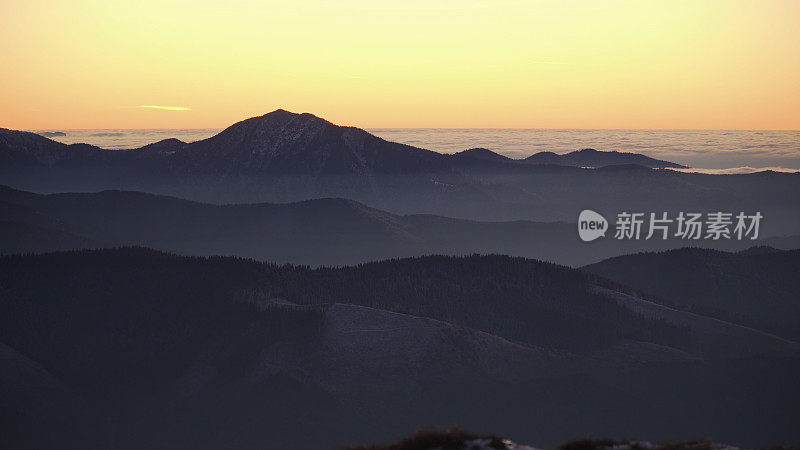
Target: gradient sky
x,y
724,64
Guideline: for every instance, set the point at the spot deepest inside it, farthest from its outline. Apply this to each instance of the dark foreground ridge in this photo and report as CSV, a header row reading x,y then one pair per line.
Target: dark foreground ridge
x,y
452,439
458,439
753,288
132,348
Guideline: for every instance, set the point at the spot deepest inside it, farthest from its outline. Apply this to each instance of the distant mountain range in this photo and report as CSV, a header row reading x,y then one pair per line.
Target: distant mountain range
x,y
589,157
133,348
316,232
287,157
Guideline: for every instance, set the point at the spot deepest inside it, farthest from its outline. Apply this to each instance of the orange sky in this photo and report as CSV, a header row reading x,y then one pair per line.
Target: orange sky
x,y
724,64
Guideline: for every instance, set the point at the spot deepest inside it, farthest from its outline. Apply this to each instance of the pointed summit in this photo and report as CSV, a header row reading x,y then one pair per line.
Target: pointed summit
x,y
287,143
275,119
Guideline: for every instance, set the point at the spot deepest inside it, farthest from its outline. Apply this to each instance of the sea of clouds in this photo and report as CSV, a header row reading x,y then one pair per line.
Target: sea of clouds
x,y
707,151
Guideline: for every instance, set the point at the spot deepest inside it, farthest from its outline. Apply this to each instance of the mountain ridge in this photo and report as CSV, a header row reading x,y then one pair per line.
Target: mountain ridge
x,y
321,231
285,157
589,157
754,287
306,126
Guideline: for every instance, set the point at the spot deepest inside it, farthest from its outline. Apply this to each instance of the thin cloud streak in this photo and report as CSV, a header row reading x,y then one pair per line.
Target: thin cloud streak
x,y
166,108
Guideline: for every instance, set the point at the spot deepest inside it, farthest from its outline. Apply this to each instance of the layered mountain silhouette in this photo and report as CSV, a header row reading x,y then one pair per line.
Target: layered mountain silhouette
x,y
280,156
316,232
343,326
132,348
282,142
286,157
756,287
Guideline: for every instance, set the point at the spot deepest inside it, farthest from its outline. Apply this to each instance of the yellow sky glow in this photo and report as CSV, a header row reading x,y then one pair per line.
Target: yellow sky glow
x,y
708,64
166,108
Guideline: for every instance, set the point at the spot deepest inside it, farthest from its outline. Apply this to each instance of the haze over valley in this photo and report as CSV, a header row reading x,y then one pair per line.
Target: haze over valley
x,y
286,157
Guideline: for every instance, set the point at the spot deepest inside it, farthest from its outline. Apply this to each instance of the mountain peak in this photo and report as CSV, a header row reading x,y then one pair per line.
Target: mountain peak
x,y
481,154
284,142
281,113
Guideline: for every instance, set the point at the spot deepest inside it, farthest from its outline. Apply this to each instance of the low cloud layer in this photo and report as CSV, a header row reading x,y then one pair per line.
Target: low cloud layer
x,y
736,170
50,134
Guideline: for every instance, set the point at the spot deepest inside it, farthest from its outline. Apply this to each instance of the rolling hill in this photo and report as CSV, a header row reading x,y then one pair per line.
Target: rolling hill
x,y
316,232
184,352
757,288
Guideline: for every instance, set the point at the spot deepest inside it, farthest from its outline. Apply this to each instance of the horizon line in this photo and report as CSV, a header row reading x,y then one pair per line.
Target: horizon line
x,y
431,128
